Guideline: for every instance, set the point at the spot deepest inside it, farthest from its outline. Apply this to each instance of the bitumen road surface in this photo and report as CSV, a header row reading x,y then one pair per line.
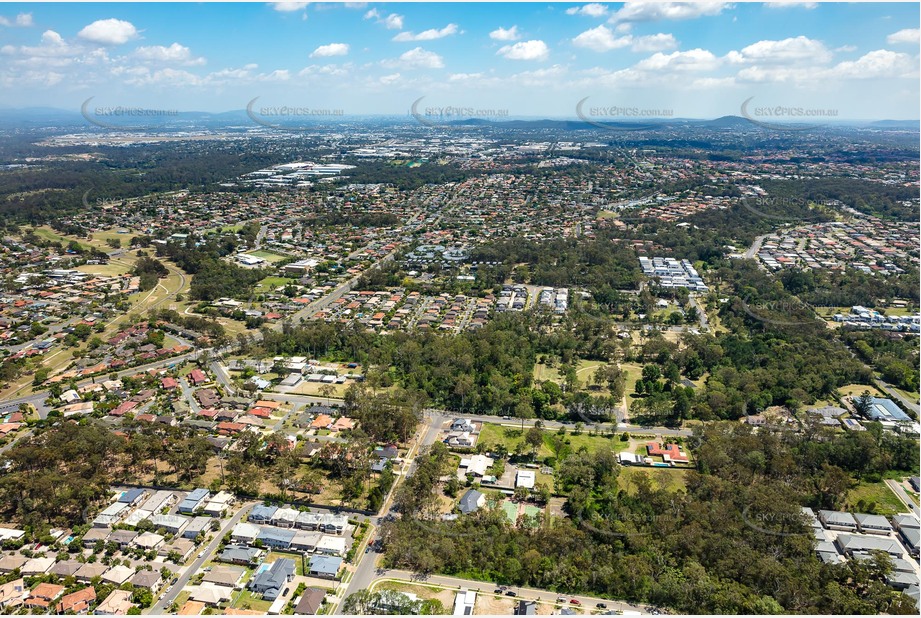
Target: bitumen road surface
x,y
167,598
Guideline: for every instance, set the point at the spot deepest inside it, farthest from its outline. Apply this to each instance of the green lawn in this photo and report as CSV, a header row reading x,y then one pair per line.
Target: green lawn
x,y
877,498
857,390
247,600
670,479
542,373
270,283
492,435
633,373
268,256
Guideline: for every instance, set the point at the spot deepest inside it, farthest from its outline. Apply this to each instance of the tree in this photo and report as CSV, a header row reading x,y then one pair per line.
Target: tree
x,y
864,403
534,438
327,390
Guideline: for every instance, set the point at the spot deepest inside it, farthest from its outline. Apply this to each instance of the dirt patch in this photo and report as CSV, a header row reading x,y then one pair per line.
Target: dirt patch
x,y
489,605
423,592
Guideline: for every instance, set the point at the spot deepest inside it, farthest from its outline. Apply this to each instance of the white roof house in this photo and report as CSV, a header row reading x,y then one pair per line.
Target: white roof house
x,y
525,478
476,465
331,545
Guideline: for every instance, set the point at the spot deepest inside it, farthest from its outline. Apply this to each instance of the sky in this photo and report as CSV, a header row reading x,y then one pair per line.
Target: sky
x,y
647,59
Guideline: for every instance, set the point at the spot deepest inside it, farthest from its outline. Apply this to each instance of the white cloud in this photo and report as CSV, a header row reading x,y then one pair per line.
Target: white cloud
x,y
876,64
289,7
109,32
591,10
503,34
909,35
654,42
389,80
175,53
601,39
679,61
391,22
525,50
787,5
332,49
799,49
22,20
846,48
655,11
331,70
416,58
460,77
52,45
427,35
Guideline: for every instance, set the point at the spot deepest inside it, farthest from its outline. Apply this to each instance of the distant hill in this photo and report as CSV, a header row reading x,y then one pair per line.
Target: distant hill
x,y
895,124
728,122
50,116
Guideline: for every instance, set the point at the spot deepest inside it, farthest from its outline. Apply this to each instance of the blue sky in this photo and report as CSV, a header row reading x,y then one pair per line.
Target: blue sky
x,y
525,59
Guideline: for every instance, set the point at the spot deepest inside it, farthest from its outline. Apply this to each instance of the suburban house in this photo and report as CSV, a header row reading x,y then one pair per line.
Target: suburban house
x,y
225,576
838,520
471,501
238,554
670,453
853,543
477,465
173,524
526,608
873,524
132,497
151,580
464,601
525,478
116,604
13,593
271,582
262,514
326,567
77,602
44,595
310,603
462,424
194,501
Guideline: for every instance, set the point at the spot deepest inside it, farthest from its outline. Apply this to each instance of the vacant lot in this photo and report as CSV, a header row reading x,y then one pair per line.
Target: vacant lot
x,y
554,443
670,479
874,498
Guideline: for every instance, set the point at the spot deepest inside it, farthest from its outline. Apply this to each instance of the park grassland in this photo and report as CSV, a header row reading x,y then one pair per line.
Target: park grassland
x,y
510,437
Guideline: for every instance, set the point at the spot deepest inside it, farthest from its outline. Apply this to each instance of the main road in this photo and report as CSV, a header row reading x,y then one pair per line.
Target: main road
x,y
522,593
904,497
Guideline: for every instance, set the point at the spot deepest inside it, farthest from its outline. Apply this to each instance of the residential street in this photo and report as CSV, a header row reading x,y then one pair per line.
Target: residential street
x,y
167,598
